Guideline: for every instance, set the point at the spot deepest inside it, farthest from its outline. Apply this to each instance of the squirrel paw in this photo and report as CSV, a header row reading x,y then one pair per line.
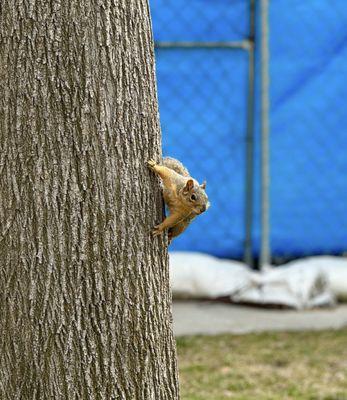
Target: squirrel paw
x,y
156,231
151,164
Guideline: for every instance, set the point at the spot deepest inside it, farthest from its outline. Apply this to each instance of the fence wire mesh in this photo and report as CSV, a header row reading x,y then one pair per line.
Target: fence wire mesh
x,y
202,69
204,55
308,128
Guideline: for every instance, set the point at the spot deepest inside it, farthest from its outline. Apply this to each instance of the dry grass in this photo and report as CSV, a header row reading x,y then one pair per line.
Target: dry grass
x,y
267,366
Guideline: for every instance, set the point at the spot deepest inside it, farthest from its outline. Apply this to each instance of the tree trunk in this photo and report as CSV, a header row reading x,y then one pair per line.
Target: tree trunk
x,y
85,307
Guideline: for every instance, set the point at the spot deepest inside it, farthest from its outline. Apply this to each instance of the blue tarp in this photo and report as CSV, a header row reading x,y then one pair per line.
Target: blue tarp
x,y
202,100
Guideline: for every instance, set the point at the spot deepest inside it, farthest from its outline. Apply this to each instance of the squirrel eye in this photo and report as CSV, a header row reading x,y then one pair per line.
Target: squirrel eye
x,y
193,197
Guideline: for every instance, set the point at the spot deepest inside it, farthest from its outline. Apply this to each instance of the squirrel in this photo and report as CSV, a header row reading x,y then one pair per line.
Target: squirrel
x,y
183,195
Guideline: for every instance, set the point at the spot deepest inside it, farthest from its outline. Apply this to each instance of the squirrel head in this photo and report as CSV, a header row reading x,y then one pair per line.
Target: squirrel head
x,y
195,197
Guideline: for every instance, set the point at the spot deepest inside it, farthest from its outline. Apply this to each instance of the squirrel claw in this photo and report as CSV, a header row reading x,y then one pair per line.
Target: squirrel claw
x,y
151,164
156,231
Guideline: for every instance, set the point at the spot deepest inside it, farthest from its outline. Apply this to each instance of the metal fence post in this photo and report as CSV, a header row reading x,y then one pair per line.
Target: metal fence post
x,y
265,254
249,184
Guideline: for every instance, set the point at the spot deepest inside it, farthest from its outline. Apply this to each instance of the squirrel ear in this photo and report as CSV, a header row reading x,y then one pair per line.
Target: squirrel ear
x,y
189,185
203,185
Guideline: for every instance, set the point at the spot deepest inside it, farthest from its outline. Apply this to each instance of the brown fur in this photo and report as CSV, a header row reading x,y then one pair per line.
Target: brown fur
x,y
183,195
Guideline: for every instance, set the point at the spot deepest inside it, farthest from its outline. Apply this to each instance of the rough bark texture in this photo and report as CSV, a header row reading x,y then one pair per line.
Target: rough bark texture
x,y
85,308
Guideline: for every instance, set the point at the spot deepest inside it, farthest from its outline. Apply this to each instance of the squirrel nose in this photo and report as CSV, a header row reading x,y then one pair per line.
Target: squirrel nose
x,y
203,208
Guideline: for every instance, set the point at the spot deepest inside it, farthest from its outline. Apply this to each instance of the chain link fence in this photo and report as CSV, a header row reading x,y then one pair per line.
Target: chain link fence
x,y
213,97
308,128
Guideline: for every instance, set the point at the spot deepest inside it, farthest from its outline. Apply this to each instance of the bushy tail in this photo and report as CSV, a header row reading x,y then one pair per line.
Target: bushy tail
x,y
176,165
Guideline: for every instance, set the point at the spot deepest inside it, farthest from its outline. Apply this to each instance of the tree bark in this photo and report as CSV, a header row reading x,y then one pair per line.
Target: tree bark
x,y
85,306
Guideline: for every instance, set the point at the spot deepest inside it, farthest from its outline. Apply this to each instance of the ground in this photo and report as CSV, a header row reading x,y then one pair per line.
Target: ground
x,y
264,366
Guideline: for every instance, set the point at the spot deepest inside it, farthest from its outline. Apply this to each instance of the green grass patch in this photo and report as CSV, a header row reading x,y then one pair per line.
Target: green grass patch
x,y
266,366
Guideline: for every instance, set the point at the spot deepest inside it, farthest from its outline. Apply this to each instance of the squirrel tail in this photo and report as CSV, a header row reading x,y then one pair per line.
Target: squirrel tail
x,y
175,165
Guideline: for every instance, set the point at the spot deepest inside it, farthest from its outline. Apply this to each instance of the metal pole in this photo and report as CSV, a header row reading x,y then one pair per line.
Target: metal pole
x,y
265,257
249,184
243,44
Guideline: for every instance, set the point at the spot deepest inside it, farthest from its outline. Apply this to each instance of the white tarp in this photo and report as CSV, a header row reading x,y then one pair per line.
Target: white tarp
x,y
305,283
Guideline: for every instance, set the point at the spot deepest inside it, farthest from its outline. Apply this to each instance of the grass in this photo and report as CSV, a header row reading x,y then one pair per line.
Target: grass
x,y
267,366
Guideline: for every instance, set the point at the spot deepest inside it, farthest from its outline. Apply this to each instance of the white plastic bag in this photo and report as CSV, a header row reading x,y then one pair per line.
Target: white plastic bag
x,y
197,275
304,283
